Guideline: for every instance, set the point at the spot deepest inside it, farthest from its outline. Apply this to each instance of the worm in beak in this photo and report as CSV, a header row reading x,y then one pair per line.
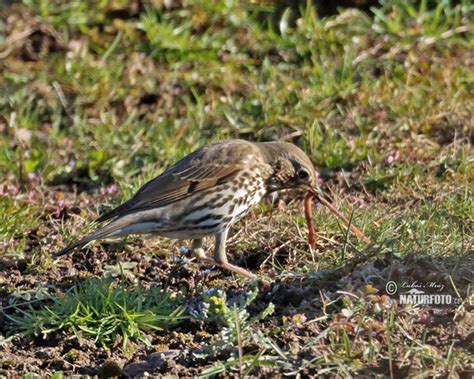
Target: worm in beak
x,y
308,211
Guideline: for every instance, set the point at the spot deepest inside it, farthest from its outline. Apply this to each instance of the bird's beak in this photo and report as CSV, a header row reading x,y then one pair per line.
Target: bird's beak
x,y
322,198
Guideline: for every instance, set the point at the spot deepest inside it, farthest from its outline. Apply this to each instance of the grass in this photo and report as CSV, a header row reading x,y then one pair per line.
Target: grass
x,y
101,310
99,97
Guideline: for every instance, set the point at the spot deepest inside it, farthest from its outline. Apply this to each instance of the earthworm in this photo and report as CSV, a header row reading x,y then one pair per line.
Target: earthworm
x,y
308,206
308,213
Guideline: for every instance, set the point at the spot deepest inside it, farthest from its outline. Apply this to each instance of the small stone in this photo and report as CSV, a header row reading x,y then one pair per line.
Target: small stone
x,y
42,354
184,250
136,369
155,360
158,360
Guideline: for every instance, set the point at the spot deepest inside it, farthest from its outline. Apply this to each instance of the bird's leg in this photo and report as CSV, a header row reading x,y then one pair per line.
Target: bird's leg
x,y
197,250
220,257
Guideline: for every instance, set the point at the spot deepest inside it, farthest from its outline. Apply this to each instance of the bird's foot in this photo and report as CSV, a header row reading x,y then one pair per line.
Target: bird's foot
x,y
201,256
238,270
198,253
228,266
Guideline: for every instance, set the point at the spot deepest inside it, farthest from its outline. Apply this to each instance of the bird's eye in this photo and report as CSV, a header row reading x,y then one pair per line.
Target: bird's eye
x,y
303,174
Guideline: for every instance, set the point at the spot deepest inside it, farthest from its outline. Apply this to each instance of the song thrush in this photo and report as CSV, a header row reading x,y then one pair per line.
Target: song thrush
x,y
206,192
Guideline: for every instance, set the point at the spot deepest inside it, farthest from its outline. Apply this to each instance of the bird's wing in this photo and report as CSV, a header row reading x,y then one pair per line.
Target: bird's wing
x,y
203,169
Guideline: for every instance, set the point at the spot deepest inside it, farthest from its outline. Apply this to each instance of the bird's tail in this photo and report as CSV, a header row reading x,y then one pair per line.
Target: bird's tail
x,y
74,245
101,233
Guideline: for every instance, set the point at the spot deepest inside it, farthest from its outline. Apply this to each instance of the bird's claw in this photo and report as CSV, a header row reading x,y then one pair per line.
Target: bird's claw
x,y
198,253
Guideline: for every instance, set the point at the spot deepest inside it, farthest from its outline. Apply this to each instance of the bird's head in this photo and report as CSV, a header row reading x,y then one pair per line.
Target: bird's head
x,y
292,169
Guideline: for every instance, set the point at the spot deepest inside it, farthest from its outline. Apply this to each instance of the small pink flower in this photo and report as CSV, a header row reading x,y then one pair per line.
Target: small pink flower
x,y
393,156
12,189
113,189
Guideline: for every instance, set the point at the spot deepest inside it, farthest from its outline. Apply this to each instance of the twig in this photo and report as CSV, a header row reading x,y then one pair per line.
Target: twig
x,y
62,98
7,47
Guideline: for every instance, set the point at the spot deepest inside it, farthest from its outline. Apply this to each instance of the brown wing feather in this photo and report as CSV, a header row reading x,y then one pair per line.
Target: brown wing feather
x,y
196,172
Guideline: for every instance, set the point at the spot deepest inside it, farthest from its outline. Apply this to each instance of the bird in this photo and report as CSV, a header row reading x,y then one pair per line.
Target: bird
x,y
206,192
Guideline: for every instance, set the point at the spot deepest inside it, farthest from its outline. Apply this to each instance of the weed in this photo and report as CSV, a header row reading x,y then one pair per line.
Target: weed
x,y
103,310
238,332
